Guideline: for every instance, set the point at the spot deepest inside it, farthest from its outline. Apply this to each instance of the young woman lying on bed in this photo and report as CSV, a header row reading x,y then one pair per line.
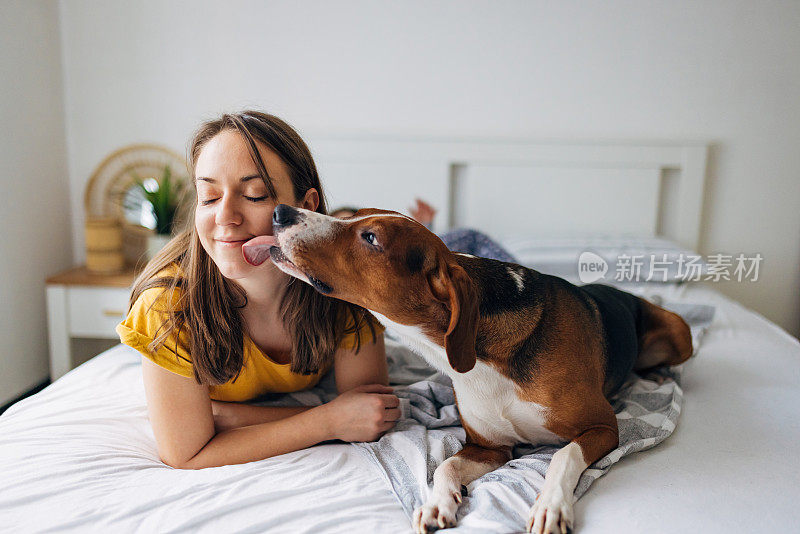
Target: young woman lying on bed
x,y
215,331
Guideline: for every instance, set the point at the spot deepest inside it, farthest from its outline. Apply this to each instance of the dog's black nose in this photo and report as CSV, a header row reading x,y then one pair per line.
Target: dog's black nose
x,y
284,215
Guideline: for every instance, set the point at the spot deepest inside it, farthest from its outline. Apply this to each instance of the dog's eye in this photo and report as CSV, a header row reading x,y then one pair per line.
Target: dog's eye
x,y
370,238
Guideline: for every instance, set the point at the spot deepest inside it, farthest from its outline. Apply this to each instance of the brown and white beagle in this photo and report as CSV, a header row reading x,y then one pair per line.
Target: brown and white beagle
x,y
532,357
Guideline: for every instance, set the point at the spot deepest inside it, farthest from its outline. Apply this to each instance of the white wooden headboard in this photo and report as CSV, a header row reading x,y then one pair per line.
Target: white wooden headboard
x,y
523,188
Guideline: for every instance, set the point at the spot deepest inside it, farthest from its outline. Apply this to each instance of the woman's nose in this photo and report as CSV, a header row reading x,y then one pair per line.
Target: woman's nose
x,y
228,212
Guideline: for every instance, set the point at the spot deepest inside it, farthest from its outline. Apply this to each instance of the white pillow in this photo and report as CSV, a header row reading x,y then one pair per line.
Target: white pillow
x,y
609,259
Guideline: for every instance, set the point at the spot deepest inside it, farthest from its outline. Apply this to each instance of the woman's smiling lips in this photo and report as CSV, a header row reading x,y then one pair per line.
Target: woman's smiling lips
x,y
231,243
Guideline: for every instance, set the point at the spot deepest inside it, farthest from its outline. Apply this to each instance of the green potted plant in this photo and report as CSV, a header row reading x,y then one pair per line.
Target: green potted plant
x,y
164,196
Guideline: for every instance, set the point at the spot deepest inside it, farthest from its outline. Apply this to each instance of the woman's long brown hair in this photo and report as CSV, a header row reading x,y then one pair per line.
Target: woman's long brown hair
x,y
206,304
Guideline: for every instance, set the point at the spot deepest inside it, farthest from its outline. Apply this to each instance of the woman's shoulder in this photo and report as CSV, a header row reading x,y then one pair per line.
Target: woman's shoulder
x,y
162,293
147,318
151,310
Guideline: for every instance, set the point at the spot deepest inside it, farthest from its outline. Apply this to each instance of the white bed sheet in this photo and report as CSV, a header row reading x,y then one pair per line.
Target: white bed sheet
x,y
80,456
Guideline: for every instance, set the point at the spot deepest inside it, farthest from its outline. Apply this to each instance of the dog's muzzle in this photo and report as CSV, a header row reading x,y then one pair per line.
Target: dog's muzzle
x,y
284,215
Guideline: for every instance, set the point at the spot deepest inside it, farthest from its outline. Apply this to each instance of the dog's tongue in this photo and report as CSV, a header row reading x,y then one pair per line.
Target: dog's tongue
x,y
256,251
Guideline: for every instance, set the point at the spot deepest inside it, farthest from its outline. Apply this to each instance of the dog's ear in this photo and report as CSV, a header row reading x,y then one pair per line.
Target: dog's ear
x,y
451,285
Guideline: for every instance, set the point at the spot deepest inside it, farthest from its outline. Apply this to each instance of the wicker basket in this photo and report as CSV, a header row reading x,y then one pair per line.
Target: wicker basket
x,y
104,245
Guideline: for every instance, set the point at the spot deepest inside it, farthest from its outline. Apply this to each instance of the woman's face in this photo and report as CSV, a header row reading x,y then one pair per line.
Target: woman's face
x,y
233,204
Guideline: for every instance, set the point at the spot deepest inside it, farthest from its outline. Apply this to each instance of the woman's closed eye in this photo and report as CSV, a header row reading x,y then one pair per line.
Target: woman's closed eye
x,y
207,201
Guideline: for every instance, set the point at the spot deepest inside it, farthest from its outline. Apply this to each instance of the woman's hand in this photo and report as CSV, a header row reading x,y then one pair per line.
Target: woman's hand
x,y
363,413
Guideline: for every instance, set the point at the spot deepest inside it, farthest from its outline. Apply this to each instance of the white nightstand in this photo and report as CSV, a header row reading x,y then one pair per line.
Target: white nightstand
x,y
81,304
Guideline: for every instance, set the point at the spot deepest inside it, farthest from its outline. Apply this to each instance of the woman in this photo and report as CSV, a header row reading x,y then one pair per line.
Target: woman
x,y
214,329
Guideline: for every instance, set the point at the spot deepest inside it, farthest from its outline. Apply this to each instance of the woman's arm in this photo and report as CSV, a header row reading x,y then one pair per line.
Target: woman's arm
x,y
228,415
367,366
352,369
183,423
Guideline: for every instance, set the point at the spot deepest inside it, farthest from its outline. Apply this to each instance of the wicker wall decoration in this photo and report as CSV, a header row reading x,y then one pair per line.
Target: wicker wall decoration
x,y
113,200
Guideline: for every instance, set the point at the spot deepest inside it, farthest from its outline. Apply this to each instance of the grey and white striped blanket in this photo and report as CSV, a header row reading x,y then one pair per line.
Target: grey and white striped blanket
x,y
430,432
499,501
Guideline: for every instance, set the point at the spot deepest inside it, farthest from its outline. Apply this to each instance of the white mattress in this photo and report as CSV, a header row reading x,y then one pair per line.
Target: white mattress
x,y
80,456
732,464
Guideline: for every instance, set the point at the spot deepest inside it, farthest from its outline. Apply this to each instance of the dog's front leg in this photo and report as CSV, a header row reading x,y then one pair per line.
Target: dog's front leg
x,y
471,462
552,510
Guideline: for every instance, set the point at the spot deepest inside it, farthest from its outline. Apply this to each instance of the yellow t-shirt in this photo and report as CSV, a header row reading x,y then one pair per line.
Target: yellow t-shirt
x,y
259,374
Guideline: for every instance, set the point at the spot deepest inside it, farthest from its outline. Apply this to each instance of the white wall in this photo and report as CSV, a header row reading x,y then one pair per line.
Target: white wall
x,y
726,72
35,240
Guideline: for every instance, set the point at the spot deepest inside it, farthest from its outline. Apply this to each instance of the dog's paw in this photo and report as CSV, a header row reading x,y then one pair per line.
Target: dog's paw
x,y
550,514
437,512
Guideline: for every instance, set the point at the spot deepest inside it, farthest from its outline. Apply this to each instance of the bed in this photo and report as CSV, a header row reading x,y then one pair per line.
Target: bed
x,y
80,455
